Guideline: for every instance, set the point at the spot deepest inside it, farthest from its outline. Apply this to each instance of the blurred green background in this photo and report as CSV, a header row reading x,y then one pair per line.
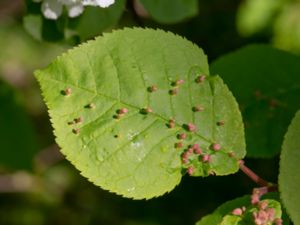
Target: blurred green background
x,y
37,185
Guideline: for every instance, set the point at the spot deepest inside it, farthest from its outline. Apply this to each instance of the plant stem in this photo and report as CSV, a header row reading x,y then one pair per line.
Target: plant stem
x,y
253,176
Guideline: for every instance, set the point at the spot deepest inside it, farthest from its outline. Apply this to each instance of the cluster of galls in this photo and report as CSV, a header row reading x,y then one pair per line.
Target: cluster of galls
x,y
193,152
264,215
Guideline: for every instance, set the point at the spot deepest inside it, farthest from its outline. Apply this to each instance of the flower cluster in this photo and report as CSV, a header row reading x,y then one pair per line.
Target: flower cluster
x,y
52,9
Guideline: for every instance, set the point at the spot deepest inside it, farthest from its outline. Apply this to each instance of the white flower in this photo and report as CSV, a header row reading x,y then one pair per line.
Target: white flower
x,y
101,3
52,9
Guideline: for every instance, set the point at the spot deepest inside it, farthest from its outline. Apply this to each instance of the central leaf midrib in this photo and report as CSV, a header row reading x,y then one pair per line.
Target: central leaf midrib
x,y
124,103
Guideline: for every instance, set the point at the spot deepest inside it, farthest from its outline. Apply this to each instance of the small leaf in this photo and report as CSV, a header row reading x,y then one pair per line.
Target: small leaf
x,y
128,141
17,138
289,177
171,11
266,83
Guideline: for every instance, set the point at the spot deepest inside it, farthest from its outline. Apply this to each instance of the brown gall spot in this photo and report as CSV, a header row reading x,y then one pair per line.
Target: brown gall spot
x,y
171,123
200,79
211,173
273,103
122,111
117,117
78,120
173,91
153,88
197,108
67,91
177,82
231,154
90,106
70,122
178,145
258,95
181,136
220,123
146,110
76,130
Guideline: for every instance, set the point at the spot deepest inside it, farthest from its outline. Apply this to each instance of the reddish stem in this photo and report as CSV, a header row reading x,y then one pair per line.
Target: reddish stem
x,y
253,176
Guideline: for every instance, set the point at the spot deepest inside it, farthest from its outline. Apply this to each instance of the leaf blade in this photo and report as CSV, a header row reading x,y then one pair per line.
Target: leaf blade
x,y
288,175
135,155
267,107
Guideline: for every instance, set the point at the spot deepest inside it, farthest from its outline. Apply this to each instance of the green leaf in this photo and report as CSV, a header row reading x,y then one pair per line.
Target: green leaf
x,y
171,11
95,20
287,28
223,214
256,15
18,143
33,25
231,220
135,155
289,178
266,83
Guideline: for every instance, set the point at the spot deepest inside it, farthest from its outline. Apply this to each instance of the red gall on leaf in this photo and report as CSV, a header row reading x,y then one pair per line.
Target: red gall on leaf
x,y
237,212
181,136
215,147
178,145
122,111
200,79
190,150
198,151
191,127
278,221
185,157
206,158
190,170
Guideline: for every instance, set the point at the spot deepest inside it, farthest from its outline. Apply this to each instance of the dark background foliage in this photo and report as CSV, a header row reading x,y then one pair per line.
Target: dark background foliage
x,y
38,186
